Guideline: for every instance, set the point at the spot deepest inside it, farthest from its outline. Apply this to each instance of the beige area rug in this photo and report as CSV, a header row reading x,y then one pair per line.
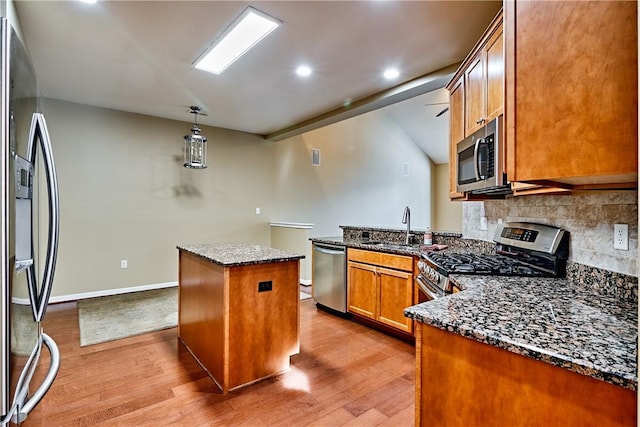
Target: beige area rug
x,y
119,316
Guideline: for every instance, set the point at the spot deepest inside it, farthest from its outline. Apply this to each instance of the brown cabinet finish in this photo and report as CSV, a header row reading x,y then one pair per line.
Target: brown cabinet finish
x,y
571,106
484,80
380,287
239,335
396,294
476,94
202,312
363,289
456,132
495,74
503,388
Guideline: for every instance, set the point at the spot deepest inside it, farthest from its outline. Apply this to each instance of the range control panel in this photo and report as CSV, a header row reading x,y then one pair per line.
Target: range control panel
x,y
519,234
532,236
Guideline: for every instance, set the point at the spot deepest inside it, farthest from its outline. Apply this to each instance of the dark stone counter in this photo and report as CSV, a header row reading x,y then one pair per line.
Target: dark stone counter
x,y
235,254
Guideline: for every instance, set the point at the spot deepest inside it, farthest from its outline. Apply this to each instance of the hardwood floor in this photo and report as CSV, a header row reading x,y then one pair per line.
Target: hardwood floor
x,y
345,375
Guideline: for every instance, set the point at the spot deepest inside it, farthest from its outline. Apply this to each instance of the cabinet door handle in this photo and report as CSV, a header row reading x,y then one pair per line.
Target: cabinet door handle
x,y
479,121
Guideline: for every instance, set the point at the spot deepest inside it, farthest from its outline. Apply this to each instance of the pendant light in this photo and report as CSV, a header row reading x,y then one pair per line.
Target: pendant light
x,y
195,145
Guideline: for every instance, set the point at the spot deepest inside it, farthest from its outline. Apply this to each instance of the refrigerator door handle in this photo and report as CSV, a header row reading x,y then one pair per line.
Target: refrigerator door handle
x,y
39,300
22,410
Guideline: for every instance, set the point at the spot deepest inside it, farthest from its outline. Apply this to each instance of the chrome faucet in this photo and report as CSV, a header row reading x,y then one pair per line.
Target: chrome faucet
x,y
406,219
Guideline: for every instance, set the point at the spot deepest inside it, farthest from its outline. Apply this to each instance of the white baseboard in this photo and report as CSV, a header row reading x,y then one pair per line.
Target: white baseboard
x,y
94,294
306,282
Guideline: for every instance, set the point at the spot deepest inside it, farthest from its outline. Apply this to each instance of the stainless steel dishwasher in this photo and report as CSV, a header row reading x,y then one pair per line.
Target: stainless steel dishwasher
x,y
329,277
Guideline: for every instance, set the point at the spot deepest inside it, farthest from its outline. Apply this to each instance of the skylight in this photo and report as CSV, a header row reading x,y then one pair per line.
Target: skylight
x,y
243,33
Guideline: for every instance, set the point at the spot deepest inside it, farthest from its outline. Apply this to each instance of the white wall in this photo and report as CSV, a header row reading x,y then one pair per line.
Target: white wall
x,y
447,214
359,181
125,195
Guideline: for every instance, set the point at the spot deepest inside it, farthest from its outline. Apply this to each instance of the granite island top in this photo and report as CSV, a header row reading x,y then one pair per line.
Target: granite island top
x,y
236,254
545,319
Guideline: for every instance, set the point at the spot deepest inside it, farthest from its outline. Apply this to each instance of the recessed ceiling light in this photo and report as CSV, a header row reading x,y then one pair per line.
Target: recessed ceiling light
x,y
391,73
303,71
88,1
243,33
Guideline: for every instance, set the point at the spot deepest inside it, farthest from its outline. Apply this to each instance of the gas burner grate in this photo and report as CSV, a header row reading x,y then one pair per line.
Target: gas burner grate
x,y
483,264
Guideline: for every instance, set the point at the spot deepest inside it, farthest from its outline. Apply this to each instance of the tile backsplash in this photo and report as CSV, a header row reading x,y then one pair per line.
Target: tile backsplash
x,y
589,217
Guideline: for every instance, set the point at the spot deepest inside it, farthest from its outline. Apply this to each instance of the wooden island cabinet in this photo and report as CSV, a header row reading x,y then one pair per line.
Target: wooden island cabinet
x,y
238,310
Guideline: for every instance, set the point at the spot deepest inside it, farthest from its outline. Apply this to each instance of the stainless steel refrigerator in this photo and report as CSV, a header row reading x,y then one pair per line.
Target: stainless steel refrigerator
x,y
26,277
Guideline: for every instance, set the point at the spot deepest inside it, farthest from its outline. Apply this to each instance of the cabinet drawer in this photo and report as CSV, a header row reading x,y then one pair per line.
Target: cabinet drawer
x,y
398,262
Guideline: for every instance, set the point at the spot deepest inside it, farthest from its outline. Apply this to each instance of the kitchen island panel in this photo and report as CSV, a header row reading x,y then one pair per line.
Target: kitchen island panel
x,y
465,382
240,320
264,324
202,313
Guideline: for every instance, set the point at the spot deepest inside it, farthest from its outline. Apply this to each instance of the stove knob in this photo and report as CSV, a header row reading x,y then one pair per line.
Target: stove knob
x,y
433,275
436,276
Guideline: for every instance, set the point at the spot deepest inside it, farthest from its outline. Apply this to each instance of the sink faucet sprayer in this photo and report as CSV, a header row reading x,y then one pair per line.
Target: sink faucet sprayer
x,y
406,219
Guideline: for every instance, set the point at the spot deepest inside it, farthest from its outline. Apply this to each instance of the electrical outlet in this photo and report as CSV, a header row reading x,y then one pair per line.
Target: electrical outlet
x,y
265,286
621,237
257,211
123,263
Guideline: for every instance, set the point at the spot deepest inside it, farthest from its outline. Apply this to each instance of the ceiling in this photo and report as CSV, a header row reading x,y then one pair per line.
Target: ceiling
x,y
137,56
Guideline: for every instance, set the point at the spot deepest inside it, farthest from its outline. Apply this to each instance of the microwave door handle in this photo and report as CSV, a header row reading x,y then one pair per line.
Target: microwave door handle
x,y
476,150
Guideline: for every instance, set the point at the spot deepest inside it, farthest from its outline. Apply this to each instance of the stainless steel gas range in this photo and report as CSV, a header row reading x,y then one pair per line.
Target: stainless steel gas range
x,y
522,249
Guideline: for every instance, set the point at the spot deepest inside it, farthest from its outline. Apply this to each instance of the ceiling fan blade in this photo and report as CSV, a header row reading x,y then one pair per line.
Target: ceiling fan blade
x,y
442,112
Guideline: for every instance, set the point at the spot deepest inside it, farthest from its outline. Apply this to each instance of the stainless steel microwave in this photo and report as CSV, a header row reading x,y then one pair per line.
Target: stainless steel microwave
x,y
479,158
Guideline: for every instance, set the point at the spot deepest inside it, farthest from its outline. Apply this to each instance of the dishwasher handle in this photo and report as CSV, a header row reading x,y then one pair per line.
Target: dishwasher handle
x,y
329,250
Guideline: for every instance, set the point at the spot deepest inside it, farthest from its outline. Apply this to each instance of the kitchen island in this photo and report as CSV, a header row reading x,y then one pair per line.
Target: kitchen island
x,y
238,310
525,351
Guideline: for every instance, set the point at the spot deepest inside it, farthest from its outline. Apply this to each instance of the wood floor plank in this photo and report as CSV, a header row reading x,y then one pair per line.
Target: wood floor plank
x,y
345,375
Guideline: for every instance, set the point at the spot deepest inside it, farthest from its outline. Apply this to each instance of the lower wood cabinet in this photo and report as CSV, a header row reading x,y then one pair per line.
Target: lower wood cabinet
x,y
463,382
380,287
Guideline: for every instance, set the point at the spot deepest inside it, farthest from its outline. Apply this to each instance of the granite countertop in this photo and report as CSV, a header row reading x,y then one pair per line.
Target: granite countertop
x,y
545,319
236,254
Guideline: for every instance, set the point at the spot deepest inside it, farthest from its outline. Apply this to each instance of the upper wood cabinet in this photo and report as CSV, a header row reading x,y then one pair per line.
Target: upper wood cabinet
x,y
456,132
484,80
476,93
572,93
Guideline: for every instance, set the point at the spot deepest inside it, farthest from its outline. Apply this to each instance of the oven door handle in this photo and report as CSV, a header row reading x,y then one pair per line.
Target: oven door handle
x,y
426,287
